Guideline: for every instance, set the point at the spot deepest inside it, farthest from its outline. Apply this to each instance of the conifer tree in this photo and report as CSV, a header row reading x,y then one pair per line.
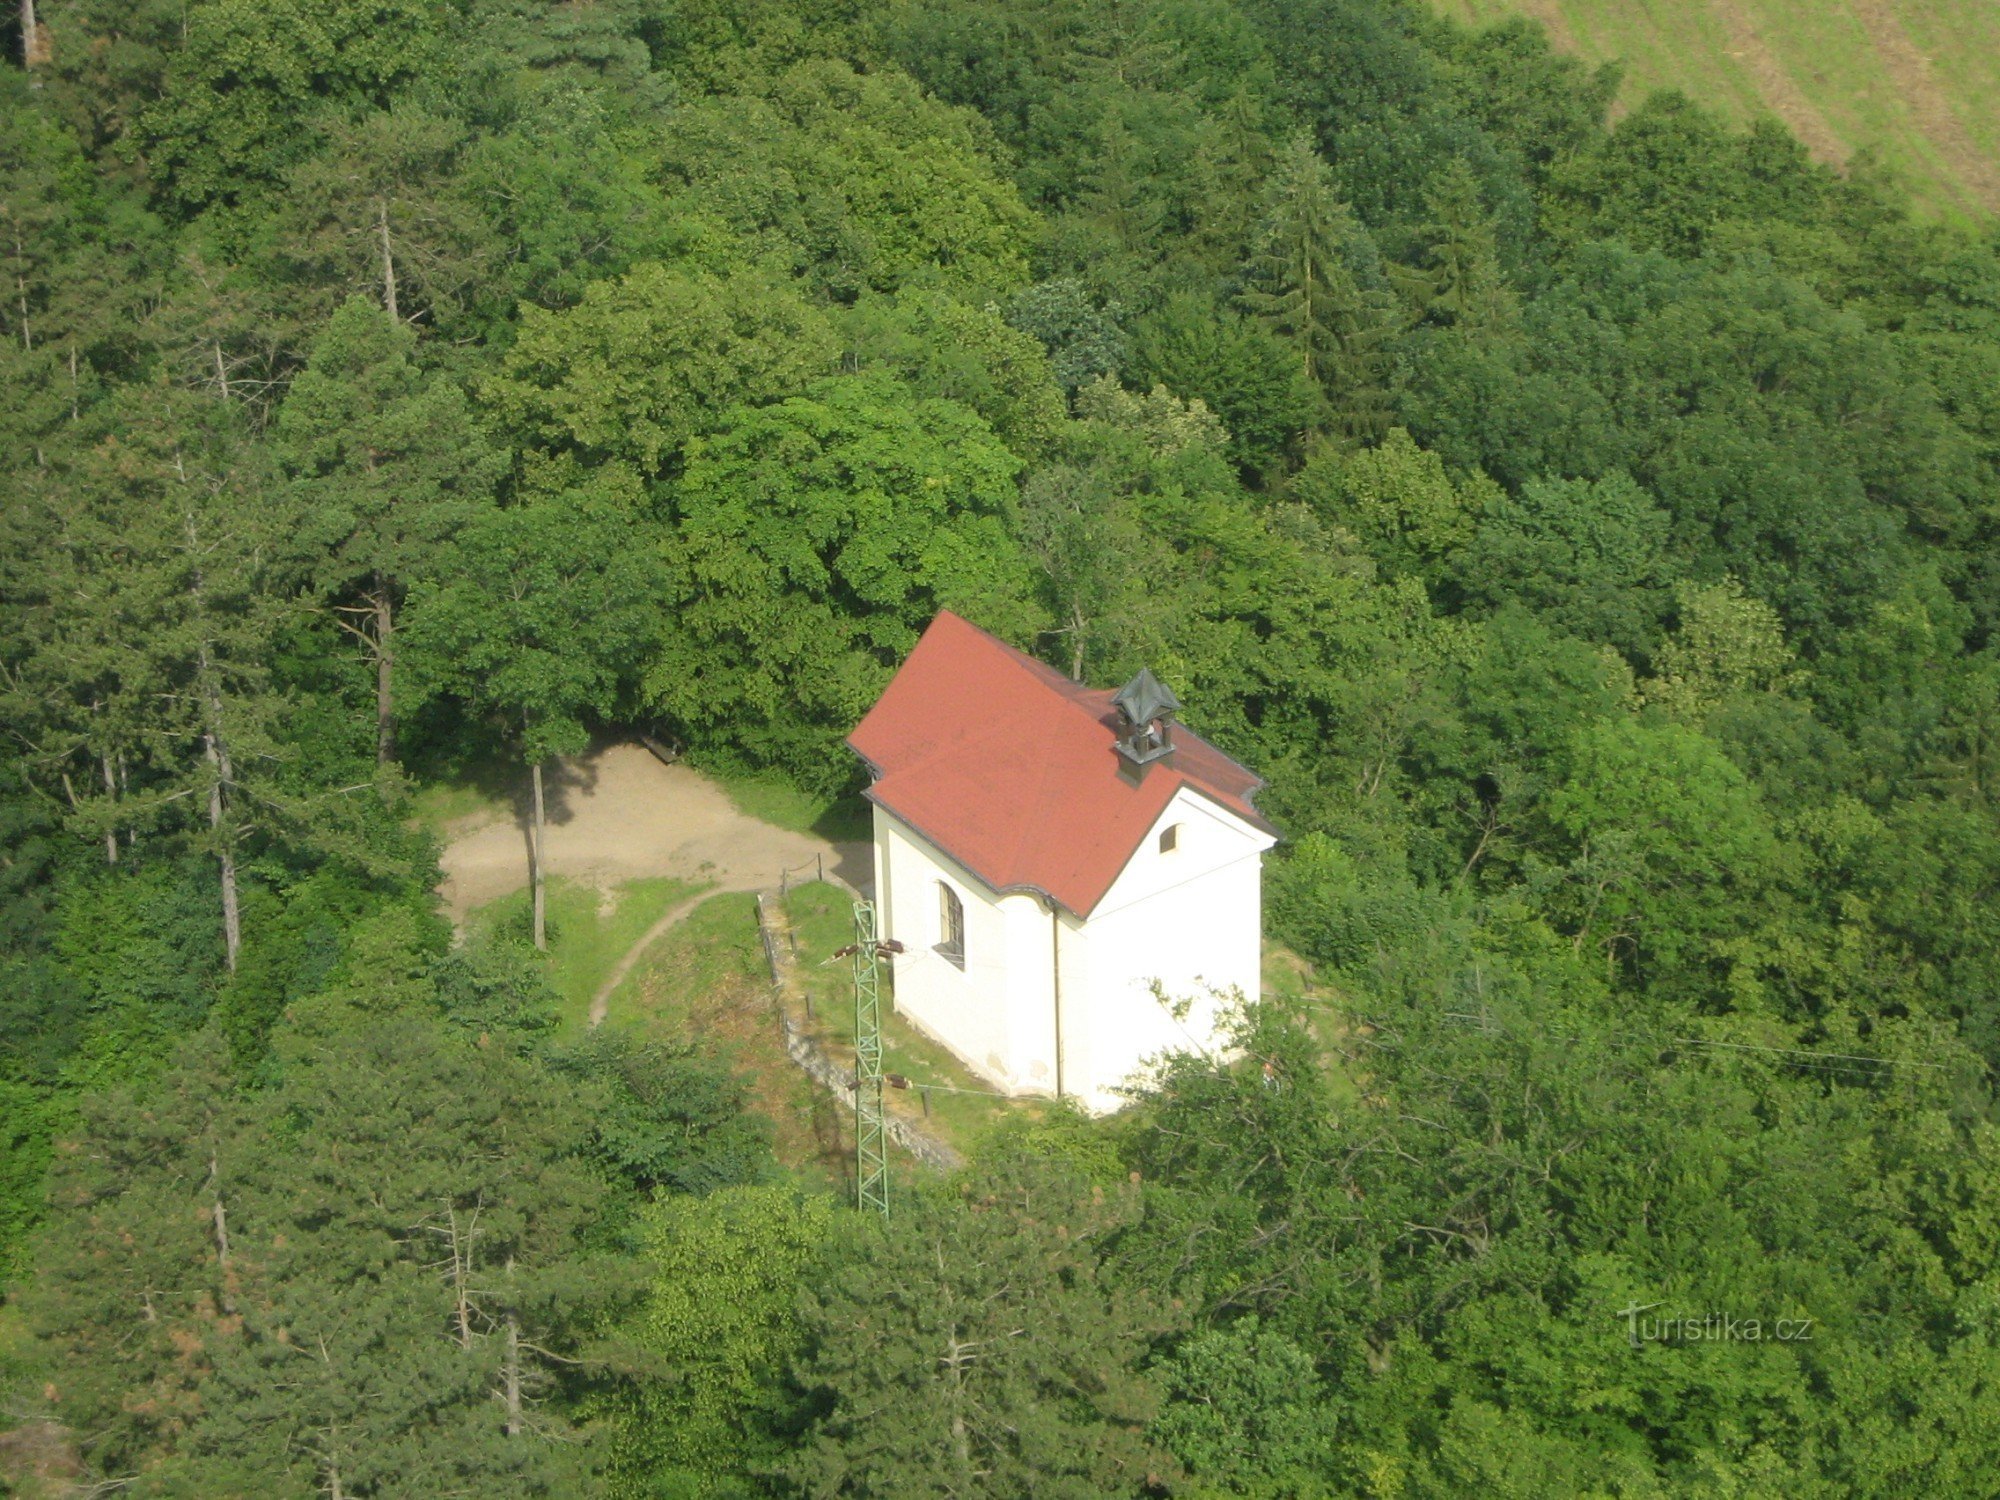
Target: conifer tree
x,y
389,465
978,1348
1301,282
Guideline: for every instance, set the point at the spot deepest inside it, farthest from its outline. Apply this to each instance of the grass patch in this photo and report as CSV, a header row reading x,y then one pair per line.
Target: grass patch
x,y
1290,978
589,930
773,800
1915,80
445,807
704,983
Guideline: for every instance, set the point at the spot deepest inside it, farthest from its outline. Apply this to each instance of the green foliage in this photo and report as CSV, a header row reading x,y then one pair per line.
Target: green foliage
x,y
1084,339
674,1122
1588,558
1587,528
1245,1414
1667,834
1398,499
645,361
947,348
1241,371
25,1149
1724,644
204,1243
540,606
496,987
726,1274
240,98
852,181
1004,1357
813,539
1308,280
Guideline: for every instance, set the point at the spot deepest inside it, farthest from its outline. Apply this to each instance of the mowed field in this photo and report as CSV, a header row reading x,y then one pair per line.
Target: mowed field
x,y
1916,80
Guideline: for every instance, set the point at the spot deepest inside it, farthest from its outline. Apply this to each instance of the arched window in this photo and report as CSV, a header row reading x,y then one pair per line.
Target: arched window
x,y
1170,838
951,925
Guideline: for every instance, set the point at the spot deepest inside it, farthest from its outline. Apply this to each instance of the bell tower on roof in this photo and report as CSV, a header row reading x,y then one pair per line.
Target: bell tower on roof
x,y
1146,708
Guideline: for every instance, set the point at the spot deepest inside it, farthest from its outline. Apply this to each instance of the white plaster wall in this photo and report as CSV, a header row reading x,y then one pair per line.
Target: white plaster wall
x,y
966,1009
1191,921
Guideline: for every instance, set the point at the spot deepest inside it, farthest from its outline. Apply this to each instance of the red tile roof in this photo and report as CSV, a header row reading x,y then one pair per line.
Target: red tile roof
x,y
1010,768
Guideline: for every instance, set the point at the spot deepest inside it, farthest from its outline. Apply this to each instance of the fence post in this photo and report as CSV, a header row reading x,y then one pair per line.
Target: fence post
x,y
770,949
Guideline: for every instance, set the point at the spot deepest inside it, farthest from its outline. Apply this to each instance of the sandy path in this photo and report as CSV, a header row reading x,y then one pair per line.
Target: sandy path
x,y
618,814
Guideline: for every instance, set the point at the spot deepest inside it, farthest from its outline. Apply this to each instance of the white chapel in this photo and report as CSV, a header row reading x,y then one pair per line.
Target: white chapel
x,y
1074,877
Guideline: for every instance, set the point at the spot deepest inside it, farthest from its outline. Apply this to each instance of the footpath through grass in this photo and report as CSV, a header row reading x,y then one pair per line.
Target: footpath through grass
x,y
703,984
589,930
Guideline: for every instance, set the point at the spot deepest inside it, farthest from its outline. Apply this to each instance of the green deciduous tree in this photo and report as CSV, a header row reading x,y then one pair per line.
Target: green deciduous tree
x,y
1724,643
812,540
1246,1414
1669,837
1588,558
944,347
645,361
1399,499
536,615
853,180
721,1318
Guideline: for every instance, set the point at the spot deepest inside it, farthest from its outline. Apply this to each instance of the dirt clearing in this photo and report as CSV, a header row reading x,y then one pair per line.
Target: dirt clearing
x,y
620,814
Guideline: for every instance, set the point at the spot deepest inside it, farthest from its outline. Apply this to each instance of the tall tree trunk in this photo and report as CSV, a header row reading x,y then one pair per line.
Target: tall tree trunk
x,y
219,1219
513,1376
124,790
535,863
958,1354
34,38
385,663
461,1272
388,261
111,791
225,848
21,295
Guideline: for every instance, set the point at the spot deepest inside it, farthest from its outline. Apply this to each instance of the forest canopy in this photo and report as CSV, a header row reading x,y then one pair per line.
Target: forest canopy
x,y
1588,527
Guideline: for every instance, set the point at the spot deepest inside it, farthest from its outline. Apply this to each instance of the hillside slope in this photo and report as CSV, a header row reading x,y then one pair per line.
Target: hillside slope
x,y
1916,80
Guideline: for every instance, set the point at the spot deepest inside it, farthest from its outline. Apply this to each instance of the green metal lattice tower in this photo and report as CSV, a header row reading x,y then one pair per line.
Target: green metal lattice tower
x,y
871,1147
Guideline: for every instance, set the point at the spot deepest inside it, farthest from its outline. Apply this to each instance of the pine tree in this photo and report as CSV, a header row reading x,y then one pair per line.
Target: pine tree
x,y
1467,285
1301,282
976,1348
365,1279
389,466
